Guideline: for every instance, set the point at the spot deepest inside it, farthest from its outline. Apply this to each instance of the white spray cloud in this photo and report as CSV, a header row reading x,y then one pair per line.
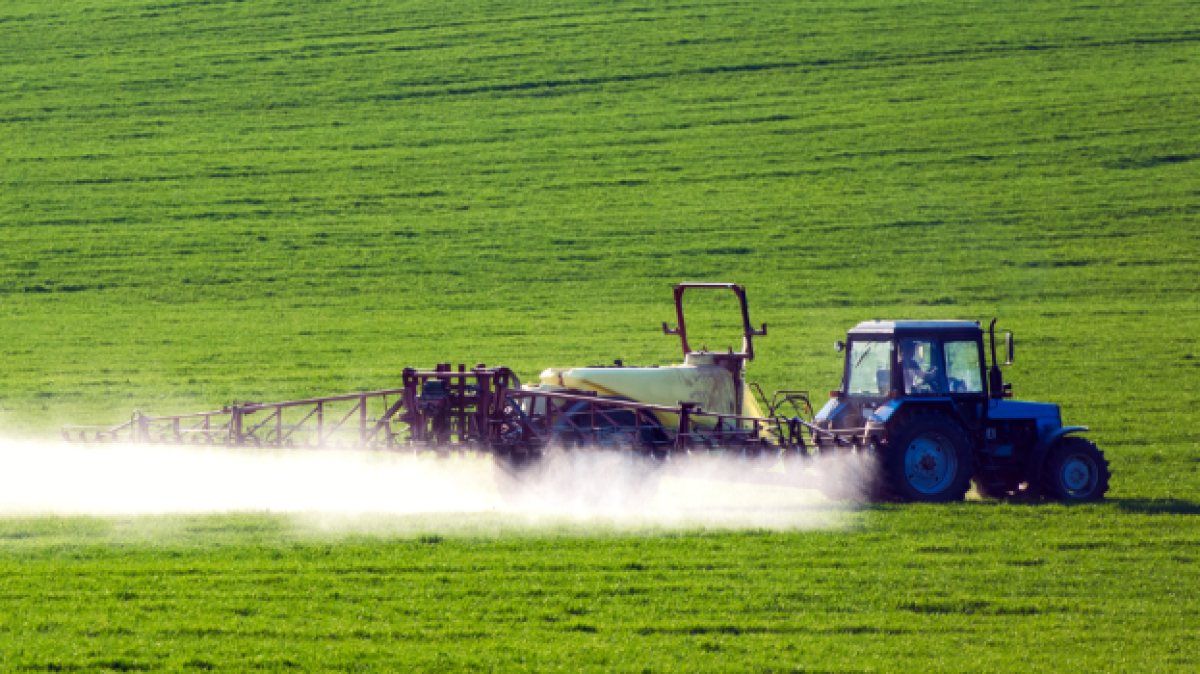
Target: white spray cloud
x,y
334,487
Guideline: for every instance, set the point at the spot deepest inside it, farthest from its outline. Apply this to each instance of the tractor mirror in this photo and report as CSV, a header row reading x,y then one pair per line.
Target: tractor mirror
x,y
839,346
1008,342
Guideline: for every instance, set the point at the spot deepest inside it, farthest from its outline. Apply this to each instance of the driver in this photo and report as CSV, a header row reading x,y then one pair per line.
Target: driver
x,y
916,376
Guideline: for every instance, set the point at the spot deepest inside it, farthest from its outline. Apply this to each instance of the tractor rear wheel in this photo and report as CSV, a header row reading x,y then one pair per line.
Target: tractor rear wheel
x,y
1076,471
928,461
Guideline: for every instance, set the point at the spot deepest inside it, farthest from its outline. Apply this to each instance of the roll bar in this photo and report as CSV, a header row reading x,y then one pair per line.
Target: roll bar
x,y
748,331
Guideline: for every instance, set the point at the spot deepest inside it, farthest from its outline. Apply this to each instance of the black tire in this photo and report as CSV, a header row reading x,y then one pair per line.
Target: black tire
x,y
1076,471
575,479
515,476
619,428
608,481
928,460
852,477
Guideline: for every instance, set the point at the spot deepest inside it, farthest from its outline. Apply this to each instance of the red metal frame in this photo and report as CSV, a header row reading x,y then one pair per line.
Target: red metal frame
x,y
486,410
444,409
748,331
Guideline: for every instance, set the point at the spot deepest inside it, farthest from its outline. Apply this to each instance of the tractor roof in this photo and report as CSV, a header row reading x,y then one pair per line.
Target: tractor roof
x,y
878,326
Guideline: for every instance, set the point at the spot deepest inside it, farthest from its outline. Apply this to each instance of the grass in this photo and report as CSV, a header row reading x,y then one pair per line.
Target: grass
x,y
205,202
947,588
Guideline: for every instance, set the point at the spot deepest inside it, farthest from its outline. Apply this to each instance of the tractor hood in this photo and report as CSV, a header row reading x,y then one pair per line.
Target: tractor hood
x,y
1017,409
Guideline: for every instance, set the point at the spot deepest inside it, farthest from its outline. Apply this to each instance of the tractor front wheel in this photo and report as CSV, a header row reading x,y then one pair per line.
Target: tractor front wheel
x,y
928,461
1076,471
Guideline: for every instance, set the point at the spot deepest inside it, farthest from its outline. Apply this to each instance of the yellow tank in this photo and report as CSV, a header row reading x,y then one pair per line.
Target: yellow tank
x,y
704,378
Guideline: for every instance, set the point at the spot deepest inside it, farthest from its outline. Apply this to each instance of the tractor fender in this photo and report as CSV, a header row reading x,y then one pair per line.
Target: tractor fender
x,y
1042,448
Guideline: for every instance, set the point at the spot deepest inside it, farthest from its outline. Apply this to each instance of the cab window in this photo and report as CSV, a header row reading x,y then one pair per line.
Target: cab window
x,y
962,367
870,368
920,366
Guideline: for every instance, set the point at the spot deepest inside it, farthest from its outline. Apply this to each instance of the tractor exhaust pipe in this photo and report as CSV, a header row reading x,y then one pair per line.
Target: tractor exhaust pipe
x,y
996,387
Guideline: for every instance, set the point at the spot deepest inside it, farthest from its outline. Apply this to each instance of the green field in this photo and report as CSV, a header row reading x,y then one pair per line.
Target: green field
x,y
212,201
977,587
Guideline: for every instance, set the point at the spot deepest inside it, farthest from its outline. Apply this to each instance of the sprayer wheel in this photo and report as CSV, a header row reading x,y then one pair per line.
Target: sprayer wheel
x,y
578,479
515,474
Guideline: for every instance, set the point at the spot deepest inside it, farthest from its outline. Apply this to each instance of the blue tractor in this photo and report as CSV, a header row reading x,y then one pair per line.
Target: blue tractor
x,y
918,400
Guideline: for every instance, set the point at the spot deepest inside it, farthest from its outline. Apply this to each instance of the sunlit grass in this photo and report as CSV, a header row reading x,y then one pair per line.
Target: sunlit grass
x,y
206,202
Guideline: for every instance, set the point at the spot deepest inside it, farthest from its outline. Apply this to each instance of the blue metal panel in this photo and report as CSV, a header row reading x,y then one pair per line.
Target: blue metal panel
x,y
1045,441
829,410
1018,409
884,412
1047,425
887,410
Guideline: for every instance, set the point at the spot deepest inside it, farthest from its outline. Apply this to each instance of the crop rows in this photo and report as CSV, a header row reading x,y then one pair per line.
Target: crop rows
x,y
203,202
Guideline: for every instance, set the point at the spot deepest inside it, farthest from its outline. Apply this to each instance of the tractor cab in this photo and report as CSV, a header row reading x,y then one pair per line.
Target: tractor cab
x,y
890,361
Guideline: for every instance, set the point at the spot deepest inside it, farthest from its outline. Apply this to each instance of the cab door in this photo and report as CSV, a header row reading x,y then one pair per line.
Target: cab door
x,y
964,377
919,365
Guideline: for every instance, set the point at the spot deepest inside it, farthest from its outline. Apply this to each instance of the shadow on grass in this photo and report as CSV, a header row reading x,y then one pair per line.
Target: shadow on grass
x,y
1140,506
1157,506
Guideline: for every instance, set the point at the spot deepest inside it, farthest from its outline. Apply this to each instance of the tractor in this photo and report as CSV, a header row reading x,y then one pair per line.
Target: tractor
x,y
916,404
917,399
